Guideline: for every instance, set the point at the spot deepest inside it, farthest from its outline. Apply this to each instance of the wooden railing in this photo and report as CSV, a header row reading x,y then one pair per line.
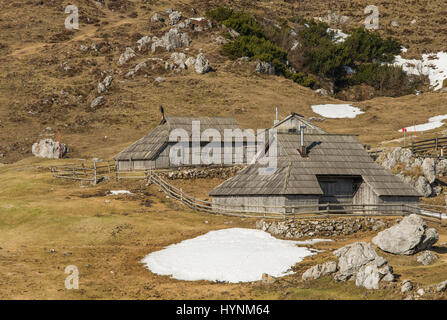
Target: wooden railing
x,y
92,171
429,212
428,145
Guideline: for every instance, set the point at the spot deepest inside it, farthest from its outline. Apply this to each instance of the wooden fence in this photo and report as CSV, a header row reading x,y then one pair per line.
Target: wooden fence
x,y
429,145
429,212
92,171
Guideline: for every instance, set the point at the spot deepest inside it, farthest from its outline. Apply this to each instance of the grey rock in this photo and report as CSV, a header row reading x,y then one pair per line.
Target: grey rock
x,y
395,23
420,292
171,40
409,236
429,169
97,102
179,59
406,286
264,67
441,167
221,40
190,62
126,56
159,80
318,270
157,18
427,257
353,256
322,91
107,81
47,148
423,187
441,287
174,17
101,87
143,43
368,276
202,65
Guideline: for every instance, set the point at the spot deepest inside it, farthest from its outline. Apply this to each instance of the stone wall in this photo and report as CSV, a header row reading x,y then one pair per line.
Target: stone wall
x,y
201,173
322,227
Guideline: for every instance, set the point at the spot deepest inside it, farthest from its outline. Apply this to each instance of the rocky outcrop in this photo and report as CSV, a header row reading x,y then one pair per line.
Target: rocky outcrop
x,y
202,65
296,229
422,173
427,257
320,270
47,148
171,40
409,236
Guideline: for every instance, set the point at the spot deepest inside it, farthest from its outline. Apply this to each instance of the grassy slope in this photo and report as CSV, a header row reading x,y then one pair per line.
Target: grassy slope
x,y
34,49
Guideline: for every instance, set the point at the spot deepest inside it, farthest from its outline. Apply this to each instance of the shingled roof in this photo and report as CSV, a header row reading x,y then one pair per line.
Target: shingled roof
x,y
327,154
150,145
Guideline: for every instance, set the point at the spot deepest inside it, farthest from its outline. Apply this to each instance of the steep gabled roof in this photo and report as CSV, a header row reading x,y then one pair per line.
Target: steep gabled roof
x,y
327,154
288,122
150,145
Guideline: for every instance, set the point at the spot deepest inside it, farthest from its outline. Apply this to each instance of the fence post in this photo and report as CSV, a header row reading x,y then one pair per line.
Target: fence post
x,y
94,172
412,146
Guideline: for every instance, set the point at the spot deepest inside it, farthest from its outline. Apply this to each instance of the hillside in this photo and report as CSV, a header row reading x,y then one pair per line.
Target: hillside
x,y
48,81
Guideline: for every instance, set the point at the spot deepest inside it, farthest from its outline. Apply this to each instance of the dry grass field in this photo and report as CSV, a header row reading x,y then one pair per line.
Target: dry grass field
x,y
48,224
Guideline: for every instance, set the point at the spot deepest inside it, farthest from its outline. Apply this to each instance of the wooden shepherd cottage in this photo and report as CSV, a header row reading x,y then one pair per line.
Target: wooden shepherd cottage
x,y
153,150
313,167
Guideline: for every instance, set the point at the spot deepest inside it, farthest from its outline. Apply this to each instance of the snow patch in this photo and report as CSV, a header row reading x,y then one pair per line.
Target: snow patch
x,y
230,255
339,36
117,192
433,65
336,110
433,123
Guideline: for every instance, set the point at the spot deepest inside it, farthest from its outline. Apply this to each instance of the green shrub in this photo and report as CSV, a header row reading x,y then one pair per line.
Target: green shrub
x,y
365,46
220,14
253,47
388,79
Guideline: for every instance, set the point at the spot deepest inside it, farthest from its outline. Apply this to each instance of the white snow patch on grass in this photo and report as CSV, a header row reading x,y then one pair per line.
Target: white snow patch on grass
x,y
433,123
230,255
339,36
336,110
433,65
117,192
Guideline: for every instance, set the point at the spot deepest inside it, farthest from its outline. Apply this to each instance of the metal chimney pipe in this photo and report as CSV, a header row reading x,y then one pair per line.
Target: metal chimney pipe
x,y
303,147
276,120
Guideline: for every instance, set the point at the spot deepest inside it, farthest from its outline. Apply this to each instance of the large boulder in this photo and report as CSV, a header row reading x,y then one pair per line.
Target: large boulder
x,y
409,236
47,148
429,169
360,261
423,187
202,65
370,275
353,256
